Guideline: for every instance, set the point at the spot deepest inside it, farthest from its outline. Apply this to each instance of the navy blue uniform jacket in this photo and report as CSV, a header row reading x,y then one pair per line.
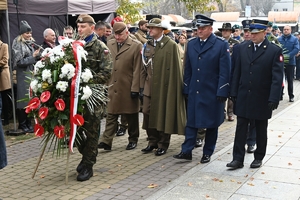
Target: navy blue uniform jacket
x,y
257,80
206,76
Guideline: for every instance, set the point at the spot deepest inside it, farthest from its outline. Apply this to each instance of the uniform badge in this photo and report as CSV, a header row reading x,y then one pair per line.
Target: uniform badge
x,y
265,46
281,58
106,51
80,19
249,46
228,50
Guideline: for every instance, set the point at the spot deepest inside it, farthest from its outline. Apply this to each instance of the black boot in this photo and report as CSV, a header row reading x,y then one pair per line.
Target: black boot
x,y
22,120
28,124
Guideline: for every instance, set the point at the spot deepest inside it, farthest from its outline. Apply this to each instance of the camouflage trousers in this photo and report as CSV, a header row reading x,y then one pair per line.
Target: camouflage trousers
x,y
88,136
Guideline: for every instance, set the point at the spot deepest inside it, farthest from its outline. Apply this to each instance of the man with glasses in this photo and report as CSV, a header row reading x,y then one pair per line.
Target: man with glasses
x,y
206,86
68,32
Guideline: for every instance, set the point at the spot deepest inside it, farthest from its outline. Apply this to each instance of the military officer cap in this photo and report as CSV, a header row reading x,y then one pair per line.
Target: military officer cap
x,y
275,27
258,25
202,20
246,24
85,18
270,24
119,27
156,22
226,26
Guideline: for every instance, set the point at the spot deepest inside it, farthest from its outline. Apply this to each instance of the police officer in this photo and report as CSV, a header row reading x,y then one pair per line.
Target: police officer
x,y
255,91
206,85
226,31
99,61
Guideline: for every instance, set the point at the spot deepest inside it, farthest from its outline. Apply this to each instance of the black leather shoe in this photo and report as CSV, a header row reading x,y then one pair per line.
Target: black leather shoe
x,y
235,164
104,146
256,164
198,143
131,145
250,149
23,127
80,167
85,174
205,159
121,132
292,99
185,156
149,149
160,151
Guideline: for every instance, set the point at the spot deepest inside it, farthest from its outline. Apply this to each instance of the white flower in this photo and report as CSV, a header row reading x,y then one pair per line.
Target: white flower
x,y
38,65
34,85
62,85
49,80
65,42
83,53
57,51
46,51
87,92
86,75
68,70
46,74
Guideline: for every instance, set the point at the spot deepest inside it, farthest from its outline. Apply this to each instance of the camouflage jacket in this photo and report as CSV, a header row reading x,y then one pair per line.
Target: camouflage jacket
x,y
272,38
99,60
231,43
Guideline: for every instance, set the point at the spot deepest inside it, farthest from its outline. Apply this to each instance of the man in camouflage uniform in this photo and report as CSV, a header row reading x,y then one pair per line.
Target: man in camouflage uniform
x,y
99,62
237,30
270,35
226,34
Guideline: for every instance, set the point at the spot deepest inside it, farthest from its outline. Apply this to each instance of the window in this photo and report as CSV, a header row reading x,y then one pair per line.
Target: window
x,y
275,9
284,9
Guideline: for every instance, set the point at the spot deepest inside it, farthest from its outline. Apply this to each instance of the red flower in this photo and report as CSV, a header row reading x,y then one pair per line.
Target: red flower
x,y
59,131
60,104
78,120
45,96
27,110
33,104
43,112
38,130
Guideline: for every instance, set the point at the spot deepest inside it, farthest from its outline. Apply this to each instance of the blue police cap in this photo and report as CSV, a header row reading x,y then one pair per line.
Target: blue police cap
x,y
258,25
202,20
246,24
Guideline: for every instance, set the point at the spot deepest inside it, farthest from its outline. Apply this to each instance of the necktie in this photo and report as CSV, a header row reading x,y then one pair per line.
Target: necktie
x,y
256,47
119,46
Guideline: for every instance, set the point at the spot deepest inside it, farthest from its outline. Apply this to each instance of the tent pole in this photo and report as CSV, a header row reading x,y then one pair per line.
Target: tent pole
x,y
15,131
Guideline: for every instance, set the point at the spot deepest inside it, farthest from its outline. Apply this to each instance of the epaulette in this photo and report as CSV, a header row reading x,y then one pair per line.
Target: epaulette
x,y
274,43
220,38
192,38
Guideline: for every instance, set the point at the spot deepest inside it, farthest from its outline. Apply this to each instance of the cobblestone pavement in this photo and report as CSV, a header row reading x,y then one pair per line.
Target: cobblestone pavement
x,y
118,174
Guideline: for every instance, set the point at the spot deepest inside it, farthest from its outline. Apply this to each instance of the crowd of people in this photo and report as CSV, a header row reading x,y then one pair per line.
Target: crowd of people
x,y
183,84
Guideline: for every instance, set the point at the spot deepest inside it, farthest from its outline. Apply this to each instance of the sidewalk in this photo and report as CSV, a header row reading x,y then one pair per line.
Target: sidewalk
x,y
131,175
278,178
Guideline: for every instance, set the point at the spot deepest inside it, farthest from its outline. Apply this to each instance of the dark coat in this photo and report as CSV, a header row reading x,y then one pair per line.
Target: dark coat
x,y
257,80
125,78
206,76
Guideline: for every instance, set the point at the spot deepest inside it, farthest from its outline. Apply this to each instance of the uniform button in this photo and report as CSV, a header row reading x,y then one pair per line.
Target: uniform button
x,y
115,70
250,82
249,91
251,63
250,72
116,58
198,69
199,58
115,81
197,92
197,80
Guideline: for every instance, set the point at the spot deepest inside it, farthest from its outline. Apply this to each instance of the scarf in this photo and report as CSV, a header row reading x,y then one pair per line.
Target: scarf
x,y
20,50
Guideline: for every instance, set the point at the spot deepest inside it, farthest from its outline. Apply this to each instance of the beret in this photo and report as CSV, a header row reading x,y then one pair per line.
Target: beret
x,y
85,18
119,27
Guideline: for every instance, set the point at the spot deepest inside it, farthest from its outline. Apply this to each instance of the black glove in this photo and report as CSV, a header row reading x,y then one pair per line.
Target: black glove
x,y
134,95
233,99
221,99
272,105
141,95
